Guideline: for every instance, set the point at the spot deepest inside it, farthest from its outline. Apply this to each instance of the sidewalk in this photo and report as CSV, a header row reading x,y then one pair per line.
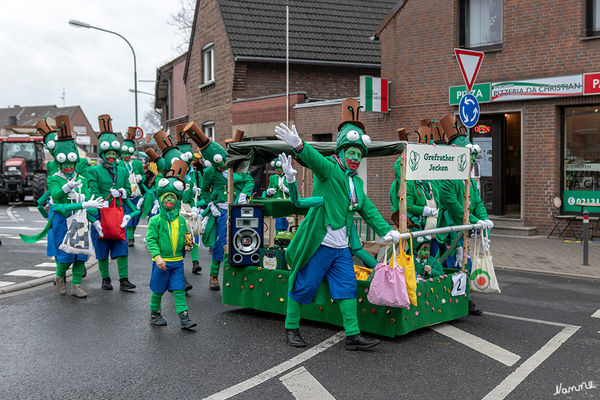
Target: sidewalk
x,y
536,253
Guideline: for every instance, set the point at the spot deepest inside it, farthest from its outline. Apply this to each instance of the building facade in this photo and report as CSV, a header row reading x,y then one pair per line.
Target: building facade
x,y
170,96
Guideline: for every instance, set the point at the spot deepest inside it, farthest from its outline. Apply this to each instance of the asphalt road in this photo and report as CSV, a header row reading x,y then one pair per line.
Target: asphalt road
x,y
61,347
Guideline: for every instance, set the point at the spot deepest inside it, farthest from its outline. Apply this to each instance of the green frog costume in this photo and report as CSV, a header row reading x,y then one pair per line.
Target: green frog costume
x,y
278,188
214,196
166,239
111,182
320,249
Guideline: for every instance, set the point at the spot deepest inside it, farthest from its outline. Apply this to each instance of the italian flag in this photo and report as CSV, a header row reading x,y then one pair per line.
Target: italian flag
x,y
374,94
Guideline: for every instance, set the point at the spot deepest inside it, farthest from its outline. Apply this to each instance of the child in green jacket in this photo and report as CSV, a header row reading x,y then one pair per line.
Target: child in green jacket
x,y
166,238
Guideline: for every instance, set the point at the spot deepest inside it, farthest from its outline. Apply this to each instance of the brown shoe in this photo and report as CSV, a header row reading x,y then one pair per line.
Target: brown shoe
x,y
61,285
213,283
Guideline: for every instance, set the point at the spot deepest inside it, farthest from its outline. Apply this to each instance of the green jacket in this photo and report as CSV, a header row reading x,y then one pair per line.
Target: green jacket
x,y
417,194
214,186
60,202
81,167
274,184
436,267
395,187
100,183
192,180
332,183
451,203
135,167
158,236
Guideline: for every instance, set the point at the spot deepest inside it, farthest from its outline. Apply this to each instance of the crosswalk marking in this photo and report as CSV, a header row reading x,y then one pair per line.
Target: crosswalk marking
x,y
596,314
33,209
478,344
21,228
32,273
5,283
304,386
46,264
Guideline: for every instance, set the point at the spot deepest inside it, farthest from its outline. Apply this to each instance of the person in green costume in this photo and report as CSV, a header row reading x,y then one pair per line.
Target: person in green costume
x,y
166,240
109,180
69,193
278,188
320,249
214,197
135,169
426,266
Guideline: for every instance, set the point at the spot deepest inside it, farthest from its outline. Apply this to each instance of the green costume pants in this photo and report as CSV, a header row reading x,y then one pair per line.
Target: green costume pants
x,y
78,266
215,266
178,296
130,232
347,309
122,265
194,252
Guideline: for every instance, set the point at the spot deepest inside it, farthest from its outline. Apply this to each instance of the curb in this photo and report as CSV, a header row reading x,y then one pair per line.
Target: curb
x,y
46,279
545,272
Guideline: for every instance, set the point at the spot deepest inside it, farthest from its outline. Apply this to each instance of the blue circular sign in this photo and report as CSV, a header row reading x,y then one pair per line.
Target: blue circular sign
x,y
468,109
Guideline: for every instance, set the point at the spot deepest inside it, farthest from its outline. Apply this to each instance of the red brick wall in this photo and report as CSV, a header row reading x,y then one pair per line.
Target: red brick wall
x,y
538,41
264,110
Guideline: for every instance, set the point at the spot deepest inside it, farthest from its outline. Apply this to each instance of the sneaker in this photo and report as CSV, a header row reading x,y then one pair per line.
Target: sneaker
x,y
61,285
188,286
131,242
358,342
196,268
294,339
213,283
126,285
473,310
185,321
77,291
84,272
157,319
106,285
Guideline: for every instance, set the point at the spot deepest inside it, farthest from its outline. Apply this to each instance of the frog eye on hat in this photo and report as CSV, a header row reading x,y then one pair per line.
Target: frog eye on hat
x,y
366,139
163,182
207,164
278,164
104,145
51,144
61,157
115,144
178,185
273,163
353,135
218,158
72,157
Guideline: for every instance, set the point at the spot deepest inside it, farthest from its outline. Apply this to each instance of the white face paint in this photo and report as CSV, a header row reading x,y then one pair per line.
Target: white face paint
x,y
178,185
104,145
163,182
72,157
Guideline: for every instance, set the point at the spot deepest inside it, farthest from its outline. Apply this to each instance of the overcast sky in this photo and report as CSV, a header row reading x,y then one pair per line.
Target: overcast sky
x,y
42,54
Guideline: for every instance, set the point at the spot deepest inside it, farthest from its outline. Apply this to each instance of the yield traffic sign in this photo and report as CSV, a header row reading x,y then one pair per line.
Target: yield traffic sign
x,y
469,62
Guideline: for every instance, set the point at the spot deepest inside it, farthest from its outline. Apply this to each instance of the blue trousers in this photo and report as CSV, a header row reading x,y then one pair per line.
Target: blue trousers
x,y
218,249
171,279
108,247
281,224
336,266
59,228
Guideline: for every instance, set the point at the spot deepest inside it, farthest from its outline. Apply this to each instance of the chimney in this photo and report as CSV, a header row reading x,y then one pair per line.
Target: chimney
x,y
12,120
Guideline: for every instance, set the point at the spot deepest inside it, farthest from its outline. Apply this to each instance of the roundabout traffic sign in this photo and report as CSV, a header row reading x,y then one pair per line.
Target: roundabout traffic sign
x,y
468,109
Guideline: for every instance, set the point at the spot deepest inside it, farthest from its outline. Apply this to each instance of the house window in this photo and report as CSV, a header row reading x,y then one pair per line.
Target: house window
x,y
592,15
209,129
208,59
481,24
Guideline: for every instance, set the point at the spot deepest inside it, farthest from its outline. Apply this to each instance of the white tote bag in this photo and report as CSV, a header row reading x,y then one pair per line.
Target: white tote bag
x,y
77,239
483,278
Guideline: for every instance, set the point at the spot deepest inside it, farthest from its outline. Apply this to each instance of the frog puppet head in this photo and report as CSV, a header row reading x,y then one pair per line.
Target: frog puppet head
x,y
128,146
168,149
109,146
48,133
423,247
458,138
183,145
211,151
65,149
171,187
277,165
351,144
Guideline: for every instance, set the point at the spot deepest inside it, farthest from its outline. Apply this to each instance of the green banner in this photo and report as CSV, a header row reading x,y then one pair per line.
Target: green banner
x,y
573,197
482,93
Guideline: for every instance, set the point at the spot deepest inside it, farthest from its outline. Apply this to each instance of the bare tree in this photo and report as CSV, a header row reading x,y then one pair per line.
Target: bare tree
x,y
152,120
183,20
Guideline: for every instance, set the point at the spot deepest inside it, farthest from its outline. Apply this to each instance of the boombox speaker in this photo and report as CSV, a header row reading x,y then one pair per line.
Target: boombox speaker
x,y
245,233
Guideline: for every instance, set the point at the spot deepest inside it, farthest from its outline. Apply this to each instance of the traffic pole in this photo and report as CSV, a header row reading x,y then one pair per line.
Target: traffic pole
x,y
586,224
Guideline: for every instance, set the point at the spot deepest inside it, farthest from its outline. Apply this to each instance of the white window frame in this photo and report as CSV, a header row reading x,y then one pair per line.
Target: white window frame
x,y
473,26
209,129
208,58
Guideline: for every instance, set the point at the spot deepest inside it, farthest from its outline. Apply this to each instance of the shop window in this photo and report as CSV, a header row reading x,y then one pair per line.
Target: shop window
x,y
581,164
592,16
208,60
322,137
481,24
209,129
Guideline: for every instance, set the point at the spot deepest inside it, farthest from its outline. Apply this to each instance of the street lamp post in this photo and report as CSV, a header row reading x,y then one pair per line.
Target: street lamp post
x,y
80,24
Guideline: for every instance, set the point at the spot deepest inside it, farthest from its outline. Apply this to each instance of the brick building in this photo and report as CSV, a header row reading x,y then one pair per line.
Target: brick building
x,y
170,96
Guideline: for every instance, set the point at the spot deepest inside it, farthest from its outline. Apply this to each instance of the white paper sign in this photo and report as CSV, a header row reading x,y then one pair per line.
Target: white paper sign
x,y
459,284
428,162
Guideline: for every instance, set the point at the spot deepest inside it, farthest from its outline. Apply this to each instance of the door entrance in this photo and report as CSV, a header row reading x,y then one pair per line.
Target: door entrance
x,y
499,162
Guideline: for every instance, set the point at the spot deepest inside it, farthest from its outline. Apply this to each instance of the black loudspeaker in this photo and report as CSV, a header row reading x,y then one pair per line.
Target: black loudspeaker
x,y
245,233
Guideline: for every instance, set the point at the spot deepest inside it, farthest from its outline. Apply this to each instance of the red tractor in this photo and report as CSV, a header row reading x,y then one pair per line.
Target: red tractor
x,y
22,163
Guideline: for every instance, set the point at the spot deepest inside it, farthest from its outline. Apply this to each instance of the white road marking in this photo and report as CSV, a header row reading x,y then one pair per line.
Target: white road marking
x,y
304,386
278,369
528,366
32,273
32,209
46,264
11,214
596,314
478,344
5,283
21,228
9,236
42,221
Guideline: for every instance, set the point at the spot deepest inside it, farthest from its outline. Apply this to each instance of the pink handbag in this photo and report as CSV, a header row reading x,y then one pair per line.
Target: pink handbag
x,y
388,287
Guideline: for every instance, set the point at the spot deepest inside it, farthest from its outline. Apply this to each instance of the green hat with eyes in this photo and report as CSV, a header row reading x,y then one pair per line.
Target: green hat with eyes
x,y
276,164
211,151
128,146
107,140
351,132
65,149
169,151
187,154
174,180
48,133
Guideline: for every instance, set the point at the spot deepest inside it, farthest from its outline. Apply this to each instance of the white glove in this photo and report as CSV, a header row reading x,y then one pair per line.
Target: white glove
x,y
286,165
203,225
138,177
485,243
98,227
123,193
195,212
428,211
72,195
284,189
93,202
140,203
126,219
155,207
271,191
70,185
115,193
288,136
481,223
459,257
489,224
392,236
197,191
214,210
242,198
